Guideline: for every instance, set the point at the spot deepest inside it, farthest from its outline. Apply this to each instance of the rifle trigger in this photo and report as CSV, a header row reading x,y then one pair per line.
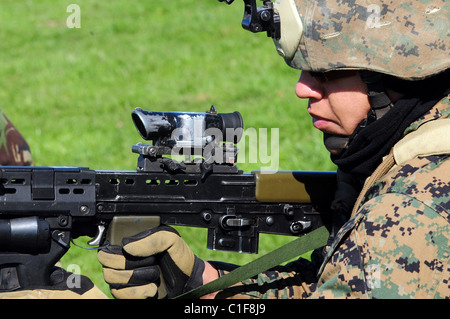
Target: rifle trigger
x,y
96,241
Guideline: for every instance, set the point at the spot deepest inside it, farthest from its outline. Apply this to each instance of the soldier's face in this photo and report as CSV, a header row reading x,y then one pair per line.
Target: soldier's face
x,y
338,100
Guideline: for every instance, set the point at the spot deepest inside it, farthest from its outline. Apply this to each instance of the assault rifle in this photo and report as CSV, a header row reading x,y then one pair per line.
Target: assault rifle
x,y
43,208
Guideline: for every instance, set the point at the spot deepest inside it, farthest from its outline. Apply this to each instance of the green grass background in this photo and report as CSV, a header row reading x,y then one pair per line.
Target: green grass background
x,y
71,91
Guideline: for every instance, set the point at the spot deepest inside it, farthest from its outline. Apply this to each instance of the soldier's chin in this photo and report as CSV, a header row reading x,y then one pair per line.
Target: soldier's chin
x,y
335,144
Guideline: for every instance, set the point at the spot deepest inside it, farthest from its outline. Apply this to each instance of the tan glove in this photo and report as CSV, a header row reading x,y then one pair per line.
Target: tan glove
x,y
156,263
59,289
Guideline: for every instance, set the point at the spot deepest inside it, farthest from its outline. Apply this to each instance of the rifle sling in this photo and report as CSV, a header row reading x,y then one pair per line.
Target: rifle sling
x,y
315,239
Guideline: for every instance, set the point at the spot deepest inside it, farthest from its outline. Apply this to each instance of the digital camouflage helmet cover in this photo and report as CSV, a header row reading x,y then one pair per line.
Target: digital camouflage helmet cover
x,y
406,39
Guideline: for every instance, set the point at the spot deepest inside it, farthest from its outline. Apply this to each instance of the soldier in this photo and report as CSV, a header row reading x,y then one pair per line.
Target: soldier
x,y
376,77
14,150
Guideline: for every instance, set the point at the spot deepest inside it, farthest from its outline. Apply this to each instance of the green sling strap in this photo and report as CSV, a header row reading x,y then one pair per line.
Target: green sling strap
x,y
315,239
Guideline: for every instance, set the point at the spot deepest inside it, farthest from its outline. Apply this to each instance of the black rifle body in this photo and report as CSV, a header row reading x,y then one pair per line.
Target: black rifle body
x,y
43,208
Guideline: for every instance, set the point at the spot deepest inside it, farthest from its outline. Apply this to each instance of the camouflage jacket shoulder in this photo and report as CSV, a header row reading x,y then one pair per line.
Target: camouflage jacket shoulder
x,y
397,244
14,150
425,177
411,176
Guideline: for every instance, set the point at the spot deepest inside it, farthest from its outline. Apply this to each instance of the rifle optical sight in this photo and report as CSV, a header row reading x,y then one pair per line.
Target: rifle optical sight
x,y
187,129
210,134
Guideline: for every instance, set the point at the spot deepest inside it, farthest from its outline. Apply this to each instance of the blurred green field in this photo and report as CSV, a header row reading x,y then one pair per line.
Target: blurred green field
x,y
70,91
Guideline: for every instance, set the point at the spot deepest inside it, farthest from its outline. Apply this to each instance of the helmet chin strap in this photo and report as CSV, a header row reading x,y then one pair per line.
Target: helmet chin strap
x,y
334,143
380,104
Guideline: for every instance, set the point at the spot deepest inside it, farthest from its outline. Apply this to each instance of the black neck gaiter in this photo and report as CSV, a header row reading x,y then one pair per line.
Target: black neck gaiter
x,y
367,146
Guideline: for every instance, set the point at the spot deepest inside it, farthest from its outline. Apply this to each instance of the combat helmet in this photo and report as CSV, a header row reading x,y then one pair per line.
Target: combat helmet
x,y
405,39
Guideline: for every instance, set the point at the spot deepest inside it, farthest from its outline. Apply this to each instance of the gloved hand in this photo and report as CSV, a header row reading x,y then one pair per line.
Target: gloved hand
x,y
156,263
61,287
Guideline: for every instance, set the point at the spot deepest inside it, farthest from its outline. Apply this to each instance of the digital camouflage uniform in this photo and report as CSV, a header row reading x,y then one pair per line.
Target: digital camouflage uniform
x,y
14,150
395,246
